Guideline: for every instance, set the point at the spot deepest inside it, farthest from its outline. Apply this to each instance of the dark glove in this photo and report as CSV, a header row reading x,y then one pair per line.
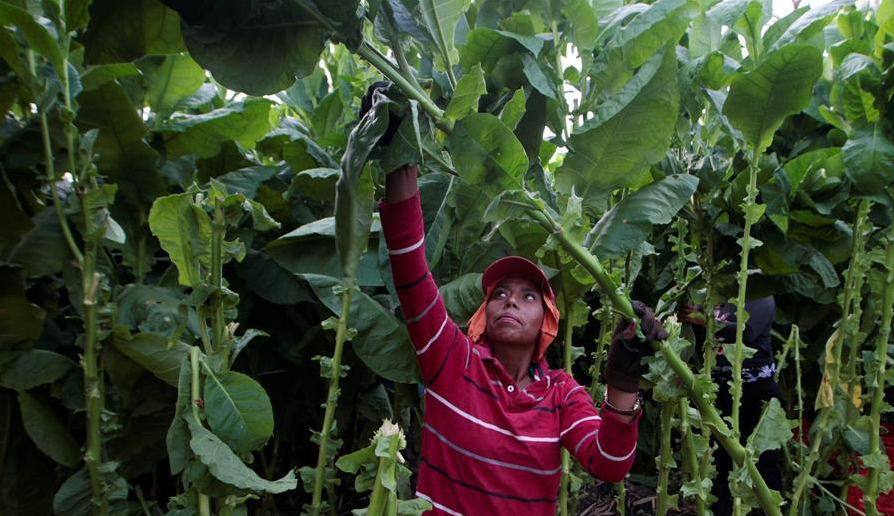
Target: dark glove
x,y
623,368
366,104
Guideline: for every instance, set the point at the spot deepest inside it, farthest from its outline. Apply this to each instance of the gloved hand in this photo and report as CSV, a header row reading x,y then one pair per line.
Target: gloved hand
x,y
623,368
366,104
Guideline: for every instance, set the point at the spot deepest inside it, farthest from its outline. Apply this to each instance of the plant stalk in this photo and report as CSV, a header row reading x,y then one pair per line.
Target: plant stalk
x,y
380,497
709,413
218,229
566,458
833,365
691,456
204,501
665,459
881,356
331,398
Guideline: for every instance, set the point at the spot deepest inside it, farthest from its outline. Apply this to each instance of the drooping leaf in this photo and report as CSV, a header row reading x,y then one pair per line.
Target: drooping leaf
x,y
486,153
184,231
246,181
177,437
202,135
36,35
354,191
488,46
19,318
315,183
75,497
463,296
24,370
382,341
270,281
120,32
296,149
238,410
226,466
869,159
514,110
152,351
46,430
168,79
253,48
811,23
616,153
584,24
628,223
772,431
760,99
42,250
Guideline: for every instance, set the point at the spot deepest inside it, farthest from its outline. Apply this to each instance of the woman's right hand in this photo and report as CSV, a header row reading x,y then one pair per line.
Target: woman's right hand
x,y
400,184
691,314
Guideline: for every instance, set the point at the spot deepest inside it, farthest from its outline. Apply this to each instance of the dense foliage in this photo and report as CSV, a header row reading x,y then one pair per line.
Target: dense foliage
x,y
192,264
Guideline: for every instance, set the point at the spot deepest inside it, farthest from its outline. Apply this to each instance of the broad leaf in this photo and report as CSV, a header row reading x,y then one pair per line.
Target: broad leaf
x,y
267,279
238,410
42,250
381,342
154,352
225,465
255,48
468,90
246,181
811,23
462,297
487,154
760,99
616,153
19,318
36,35
120,32
184,231
629,223
47,431
772,431
177,437
203,134
440,17
869,159
168,79
24,370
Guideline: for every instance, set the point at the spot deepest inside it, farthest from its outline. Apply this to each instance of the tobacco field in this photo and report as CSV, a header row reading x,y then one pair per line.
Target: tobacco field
x,y
197,314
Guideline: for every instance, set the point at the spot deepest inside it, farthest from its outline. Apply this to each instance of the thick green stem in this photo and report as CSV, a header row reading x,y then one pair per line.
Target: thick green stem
x,y
204,503
331,399
621,498
692,460
566,361
218,229
832,367
881,357
379,501
665,459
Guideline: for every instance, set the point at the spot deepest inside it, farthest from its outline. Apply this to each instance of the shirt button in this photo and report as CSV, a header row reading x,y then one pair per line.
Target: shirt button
x,y
511,388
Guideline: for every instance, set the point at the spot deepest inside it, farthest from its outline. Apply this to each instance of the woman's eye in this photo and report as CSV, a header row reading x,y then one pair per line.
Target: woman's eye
x,y
530,297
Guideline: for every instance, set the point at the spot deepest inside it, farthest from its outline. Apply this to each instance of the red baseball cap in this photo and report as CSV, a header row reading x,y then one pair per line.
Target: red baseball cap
x,y
516,266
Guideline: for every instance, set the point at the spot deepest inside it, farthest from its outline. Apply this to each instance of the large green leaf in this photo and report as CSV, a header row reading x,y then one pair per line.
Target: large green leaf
x,y
19,318
772,431
24,370
760,99
463,296
27,477
354,190
628,223
47,431
238,410
225,465
382,341
440,17
869,159
270,281
811,23
252,47
168,79
468,90
120,32
248,180
488,47
617,152
154,352
36,35
202,135
296,149
122,154
42,250
487,154
184,231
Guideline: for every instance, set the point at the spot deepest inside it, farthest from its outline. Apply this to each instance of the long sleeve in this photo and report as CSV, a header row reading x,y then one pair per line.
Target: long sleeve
x,y
434,336
603,444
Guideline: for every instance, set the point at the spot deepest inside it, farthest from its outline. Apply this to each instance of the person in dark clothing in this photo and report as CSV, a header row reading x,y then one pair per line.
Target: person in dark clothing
x,y
758,387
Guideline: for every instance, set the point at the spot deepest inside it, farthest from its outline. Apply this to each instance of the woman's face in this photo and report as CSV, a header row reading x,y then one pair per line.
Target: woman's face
x,y
514,311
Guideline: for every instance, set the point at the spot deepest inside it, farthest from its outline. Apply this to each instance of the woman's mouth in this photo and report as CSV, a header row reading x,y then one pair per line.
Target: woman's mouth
x,y
508,317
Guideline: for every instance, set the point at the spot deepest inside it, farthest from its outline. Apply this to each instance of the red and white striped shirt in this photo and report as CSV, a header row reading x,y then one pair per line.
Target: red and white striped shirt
x,y
488,447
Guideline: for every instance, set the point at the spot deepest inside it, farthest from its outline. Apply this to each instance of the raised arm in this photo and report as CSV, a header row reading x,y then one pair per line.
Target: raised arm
x,y
435,337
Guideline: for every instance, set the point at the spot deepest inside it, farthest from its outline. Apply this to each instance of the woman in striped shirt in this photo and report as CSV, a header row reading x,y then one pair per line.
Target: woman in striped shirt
x,y
496,415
